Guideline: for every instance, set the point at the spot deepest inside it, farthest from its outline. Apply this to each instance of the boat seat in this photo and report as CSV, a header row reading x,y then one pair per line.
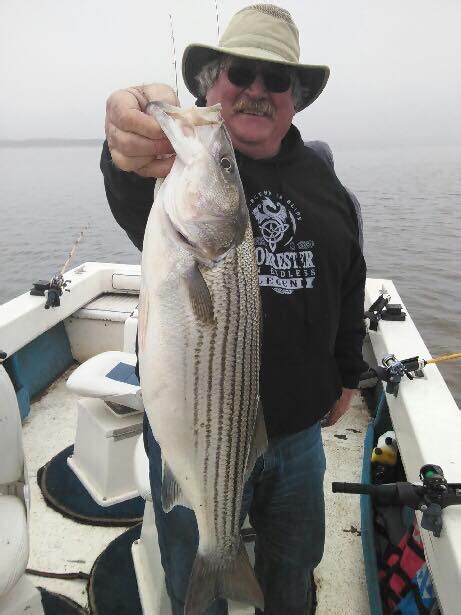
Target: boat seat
x,y
109,376
14,542
109,421
17,593
107,322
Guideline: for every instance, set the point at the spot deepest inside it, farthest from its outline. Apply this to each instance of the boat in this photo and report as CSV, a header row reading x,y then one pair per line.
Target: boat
x,y
66,373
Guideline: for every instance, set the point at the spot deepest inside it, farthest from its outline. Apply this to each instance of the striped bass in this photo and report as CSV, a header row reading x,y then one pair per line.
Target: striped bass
x,y
199,347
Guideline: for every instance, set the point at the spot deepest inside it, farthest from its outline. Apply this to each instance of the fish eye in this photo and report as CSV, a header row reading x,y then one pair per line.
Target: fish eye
x,y
226,164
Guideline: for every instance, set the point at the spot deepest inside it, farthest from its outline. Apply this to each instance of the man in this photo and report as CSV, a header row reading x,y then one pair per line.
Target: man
x,y
311,275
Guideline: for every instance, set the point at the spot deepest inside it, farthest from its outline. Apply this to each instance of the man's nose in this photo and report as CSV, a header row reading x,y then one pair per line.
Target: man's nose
x,y
257,88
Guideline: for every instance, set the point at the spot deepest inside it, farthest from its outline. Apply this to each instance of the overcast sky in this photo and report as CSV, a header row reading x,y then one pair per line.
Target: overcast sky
x,y
395,64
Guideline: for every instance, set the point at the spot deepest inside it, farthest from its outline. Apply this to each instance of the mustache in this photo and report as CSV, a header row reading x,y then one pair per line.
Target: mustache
x,y
248,105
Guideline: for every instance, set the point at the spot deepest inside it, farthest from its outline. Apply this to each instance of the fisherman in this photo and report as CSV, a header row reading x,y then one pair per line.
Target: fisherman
x,y
311,277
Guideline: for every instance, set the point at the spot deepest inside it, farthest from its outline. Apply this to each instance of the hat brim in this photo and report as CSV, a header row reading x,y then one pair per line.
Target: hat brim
x,y
313,77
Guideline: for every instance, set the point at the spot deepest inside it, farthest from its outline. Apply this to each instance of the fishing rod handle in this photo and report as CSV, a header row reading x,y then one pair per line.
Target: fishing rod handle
x,y
352,488
386,494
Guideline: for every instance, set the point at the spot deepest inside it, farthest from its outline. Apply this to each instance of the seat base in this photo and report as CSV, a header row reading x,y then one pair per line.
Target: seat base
x,y
149,572
104,452
148,568
24,597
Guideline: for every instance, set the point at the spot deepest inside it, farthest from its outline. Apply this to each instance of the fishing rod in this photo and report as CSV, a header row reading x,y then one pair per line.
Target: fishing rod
x,y
217,18
430,497
392,370
173,43
174,53
54,288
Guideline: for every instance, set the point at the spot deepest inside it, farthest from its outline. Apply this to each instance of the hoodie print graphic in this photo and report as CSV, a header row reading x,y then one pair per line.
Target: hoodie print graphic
x,y
285,263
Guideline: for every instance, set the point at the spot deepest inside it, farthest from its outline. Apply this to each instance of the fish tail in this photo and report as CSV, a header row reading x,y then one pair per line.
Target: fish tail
x,y
235,582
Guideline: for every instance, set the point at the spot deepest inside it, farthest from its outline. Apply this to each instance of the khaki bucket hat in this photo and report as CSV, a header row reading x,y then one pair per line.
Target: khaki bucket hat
x,y
258,32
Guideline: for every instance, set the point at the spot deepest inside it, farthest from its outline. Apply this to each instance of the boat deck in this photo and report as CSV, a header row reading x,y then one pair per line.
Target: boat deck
x,y
59,544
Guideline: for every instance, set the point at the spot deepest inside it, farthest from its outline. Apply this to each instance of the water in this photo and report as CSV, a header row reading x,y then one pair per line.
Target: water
x,y
411,203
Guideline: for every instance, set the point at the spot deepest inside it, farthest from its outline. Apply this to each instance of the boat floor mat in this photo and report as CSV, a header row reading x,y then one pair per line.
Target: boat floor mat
x,y
112,587
57,604
314,603
64,492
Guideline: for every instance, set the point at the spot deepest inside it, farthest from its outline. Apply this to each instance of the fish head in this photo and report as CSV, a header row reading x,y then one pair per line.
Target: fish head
x,y
205,202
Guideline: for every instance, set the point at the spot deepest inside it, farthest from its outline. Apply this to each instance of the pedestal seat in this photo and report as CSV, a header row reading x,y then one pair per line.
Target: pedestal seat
x,y
108,424
17,593
109,376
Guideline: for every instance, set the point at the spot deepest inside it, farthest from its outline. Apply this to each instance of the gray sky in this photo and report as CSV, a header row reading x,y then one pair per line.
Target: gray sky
x,y
395,64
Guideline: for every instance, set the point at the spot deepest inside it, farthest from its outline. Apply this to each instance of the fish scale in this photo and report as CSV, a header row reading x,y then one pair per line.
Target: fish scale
x,y
223,379
199,320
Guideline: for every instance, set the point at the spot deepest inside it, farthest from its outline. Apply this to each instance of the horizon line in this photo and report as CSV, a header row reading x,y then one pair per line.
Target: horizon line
x,y
75,141
52,141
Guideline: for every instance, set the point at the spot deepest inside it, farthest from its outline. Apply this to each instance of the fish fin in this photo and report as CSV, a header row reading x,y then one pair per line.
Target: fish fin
x,y
171,491
209,582
259,444
199,295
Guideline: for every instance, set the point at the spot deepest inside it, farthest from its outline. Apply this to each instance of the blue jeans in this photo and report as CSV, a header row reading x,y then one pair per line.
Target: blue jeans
x,y
284,500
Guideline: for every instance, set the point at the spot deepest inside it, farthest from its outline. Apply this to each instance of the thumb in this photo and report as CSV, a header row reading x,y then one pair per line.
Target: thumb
x,y
160,92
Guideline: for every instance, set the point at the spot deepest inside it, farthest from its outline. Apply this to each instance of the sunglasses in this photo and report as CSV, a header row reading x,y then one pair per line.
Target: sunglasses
x,y
275,78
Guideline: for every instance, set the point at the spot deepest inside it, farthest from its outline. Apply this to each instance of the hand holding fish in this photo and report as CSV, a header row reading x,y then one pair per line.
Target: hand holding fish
x,y
136,141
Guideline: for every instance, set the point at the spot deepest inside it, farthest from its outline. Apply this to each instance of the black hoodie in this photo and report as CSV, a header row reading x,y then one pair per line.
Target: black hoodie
x,y
311,275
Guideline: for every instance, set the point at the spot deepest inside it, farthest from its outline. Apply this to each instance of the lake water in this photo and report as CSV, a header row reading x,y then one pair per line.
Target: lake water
x,y
411,204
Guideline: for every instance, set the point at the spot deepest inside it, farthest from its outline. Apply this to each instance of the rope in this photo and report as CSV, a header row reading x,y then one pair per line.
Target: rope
x,y
70,576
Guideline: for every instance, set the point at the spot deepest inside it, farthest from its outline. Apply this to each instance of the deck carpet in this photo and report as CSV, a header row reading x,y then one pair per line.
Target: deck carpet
x,y
112,587
64,492
56,604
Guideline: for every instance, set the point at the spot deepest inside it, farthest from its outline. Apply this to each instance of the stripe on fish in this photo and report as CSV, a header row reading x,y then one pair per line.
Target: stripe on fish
x,y
198,347
209,389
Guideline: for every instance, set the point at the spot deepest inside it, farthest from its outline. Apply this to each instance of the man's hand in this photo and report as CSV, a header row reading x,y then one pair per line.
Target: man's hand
x,y
136,141
340,408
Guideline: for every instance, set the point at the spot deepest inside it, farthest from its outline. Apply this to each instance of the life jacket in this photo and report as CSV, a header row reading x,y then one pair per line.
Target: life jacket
x,y
405,583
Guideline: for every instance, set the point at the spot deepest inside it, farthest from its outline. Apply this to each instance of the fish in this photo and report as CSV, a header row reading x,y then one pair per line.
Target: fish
x,y
199,347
